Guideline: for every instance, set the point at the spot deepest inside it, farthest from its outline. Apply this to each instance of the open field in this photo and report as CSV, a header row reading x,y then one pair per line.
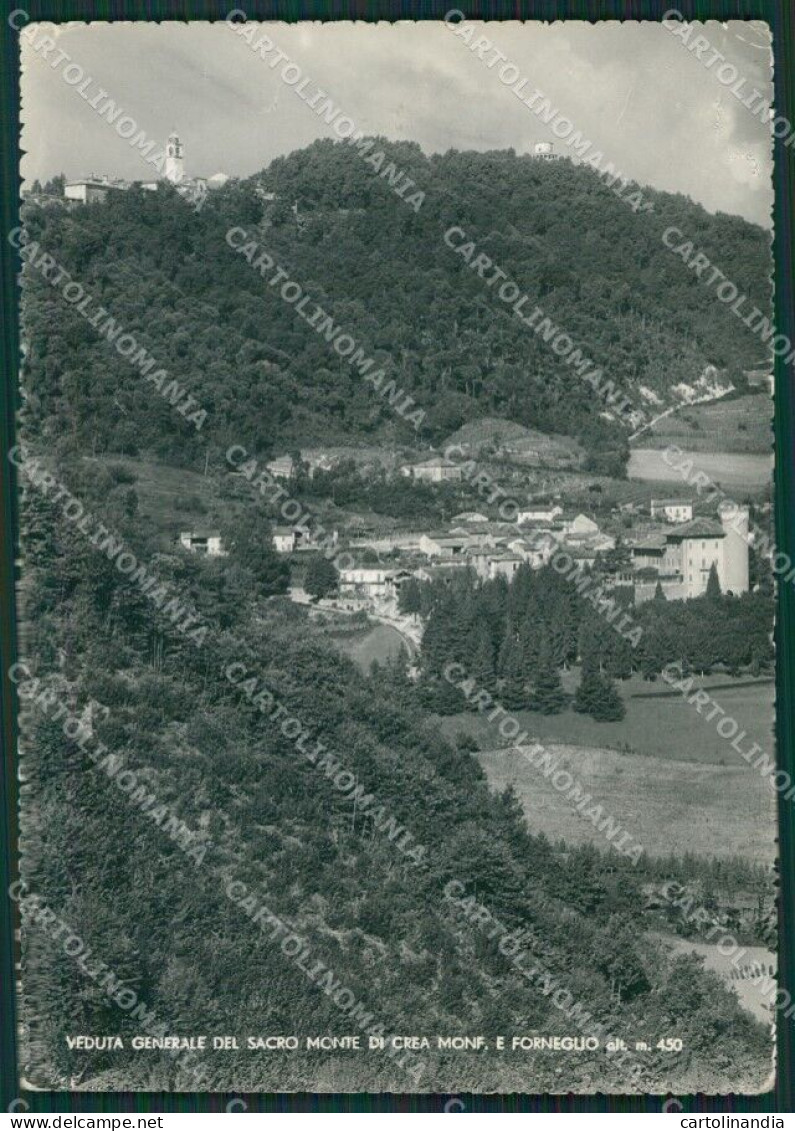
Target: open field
x,y
172,498
492,432
667,806
738,424
746,474
664,773
659,722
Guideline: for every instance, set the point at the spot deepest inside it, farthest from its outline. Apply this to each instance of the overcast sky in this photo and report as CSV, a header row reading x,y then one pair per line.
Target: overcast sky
x,y
654,109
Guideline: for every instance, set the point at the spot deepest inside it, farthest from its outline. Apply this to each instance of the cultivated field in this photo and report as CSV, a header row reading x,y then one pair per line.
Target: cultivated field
x,y
494,432
663,772
748,474
667,806
172,498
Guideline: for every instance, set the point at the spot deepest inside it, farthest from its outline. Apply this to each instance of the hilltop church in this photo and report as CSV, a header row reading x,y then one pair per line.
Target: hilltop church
x,y
95,187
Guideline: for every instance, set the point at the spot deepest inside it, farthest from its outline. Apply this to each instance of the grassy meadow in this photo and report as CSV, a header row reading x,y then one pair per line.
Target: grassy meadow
x,y
667,806
663,771
737,424
659,722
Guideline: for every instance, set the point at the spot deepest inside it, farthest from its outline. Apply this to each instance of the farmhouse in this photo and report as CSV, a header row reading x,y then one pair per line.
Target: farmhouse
x,y
281,468
207,542
535,549
443,545
371,584
435,470
285,539
491,565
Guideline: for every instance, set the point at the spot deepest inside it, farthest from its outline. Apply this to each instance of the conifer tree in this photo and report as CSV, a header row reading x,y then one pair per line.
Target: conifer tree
x,y
410,597
437,640
528,636
514,690
713,592
597,696
548,695
483,669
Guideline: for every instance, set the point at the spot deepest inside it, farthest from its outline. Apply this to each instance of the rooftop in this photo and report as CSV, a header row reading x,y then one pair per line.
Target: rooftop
x,y
698,528
648,539
200,534
434,461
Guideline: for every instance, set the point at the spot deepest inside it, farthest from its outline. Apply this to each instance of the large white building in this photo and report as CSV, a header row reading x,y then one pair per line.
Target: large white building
x,y
92,189
681,557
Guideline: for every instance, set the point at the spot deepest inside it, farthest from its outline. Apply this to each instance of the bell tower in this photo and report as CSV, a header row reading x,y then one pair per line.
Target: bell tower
x,y
174,169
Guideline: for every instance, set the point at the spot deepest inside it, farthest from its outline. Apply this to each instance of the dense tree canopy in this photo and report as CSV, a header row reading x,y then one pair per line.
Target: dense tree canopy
x,y
191,720
514,637
270,820
268,380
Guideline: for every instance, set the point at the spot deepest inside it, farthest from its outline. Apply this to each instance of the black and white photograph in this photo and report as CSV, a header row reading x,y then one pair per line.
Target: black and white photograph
x,y
397,566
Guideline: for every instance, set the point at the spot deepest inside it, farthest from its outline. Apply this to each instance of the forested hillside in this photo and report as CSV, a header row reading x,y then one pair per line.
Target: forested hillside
x,y
268,827
382,270
177,917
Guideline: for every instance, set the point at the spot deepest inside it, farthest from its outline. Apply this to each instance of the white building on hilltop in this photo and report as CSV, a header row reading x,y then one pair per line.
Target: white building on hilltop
x,y
171,160
539,513
543,151
438,469
175,169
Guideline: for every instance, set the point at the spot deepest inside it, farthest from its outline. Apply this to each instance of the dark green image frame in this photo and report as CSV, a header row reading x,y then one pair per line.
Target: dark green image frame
x,y
780,14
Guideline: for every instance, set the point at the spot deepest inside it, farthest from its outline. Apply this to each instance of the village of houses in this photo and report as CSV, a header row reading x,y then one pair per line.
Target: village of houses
x,y
664,544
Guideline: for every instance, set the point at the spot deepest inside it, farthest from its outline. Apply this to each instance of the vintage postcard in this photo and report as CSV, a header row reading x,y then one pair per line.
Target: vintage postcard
x,y
394,455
